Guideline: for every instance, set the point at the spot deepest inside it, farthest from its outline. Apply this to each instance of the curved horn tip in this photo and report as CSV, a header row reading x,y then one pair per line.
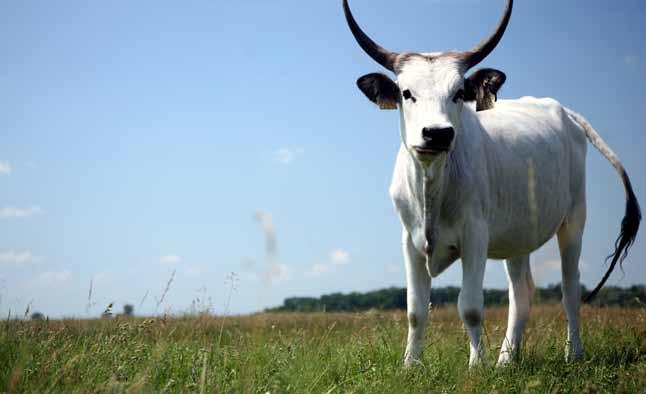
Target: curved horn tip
x,y
376,52
482,50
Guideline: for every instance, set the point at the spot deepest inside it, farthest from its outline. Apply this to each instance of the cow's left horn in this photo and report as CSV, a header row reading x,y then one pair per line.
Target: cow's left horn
x,y
379,54
477,54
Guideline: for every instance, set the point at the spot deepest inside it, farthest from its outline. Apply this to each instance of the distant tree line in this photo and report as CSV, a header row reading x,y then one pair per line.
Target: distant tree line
x,y
395,298
128,311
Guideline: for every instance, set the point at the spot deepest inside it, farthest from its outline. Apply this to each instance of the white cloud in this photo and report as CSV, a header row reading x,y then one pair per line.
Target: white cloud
x,y
170,259
278,273
14,212
339,257
287,155
51,278
16,258
5,168
54,277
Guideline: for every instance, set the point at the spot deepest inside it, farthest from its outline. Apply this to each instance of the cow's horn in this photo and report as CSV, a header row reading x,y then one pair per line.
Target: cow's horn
x,y
379,54
482,50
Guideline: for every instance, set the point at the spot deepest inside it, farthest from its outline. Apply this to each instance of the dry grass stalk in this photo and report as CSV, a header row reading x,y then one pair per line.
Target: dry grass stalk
x,y
166,290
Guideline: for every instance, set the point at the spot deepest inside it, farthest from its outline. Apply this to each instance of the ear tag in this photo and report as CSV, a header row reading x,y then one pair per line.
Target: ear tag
x,y
386,104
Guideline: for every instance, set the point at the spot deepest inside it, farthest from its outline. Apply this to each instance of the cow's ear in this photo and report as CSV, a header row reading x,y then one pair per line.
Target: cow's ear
x,y
380,89
482,86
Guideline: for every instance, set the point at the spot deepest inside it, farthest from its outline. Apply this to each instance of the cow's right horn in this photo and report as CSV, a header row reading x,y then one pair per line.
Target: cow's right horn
x,y
379,54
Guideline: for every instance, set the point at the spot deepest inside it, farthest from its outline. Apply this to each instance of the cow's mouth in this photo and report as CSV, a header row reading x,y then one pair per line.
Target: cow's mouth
x,y
425,150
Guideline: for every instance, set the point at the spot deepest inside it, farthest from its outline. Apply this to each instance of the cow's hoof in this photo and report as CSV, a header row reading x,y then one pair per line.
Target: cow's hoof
x,y
506,357
573,357
504,360
477,359
477,364
410,363
573,352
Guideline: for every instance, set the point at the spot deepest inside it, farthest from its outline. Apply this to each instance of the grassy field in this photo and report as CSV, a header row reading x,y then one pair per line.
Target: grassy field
x,y
317,353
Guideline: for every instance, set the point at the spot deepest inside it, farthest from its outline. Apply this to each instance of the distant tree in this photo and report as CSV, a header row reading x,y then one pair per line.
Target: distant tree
x,y
37,316
128,310
395,298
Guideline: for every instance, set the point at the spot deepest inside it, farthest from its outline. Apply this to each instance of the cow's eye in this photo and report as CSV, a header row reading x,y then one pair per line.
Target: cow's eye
x,y
408,96
459,95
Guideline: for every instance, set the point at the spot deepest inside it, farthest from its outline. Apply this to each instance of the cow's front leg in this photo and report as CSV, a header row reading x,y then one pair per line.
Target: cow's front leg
x,y
418,293
471,299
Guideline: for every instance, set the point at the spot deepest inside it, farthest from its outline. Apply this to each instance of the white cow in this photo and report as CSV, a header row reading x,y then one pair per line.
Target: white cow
x,y
476,185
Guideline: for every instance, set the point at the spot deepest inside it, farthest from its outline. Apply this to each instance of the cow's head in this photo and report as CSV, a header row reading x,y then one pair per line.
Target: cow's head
x,y
430,88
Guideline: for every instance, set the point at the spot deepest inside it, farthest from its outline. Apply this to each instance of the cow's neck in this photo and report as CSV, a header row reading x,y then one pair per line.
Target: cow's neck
x,y
433,195
428,185
439,189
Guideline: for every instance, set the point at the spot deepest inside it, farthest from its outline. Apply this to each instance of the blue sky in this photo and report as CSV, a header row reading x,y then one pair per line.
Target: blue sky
x,y
138,139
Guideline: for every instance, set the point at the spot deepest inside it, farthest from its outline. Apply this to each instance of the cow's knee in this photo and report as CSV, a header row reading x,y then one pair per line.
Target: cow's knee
x,y
472,317
470,307
413,321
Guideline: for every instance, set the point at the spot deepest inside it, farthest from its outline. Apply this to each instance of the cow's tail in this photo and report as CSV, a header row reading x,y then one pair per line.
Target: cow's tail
x,y
632,217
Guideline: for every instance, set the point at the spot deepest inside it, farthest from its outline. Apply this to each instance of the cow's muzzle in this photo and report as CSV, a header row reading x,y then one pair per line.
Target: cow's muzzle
x,y
436,140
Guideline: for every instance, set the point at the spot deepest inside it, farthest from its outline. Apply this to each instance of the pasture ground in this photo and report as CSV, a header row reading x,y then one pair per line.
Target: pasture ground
x,y
316,353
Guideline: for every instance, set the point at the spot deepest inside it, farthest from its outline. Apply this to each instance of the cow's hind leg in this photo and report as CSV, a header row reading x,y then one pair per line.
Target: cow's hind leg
x,y
569,237
521,289
418,294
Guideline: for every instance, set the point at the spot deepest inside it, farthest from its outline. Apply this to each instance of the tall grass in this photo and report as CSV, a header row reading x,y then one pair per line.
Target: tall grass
x,y
318,353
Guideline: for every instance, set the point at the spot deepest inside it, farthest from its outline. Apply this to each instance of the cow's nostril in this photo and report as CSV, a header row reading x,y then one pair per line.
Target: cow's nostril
x,y
427,133
442,135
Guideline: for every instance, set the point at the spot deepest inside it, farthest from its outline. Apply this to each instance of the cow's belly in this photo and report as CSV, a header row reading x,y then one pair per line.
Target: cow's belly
x,y
522,237
517,244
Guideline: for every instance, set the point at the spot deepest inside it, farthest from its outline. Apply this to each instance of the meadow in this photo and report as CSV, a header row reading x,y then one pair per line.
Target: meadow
x,y
316,353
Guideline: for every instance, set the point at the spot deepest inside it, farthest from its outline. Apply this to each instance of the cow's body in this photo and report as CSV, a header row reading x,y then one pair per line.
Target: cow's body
x,y
515,176
493,184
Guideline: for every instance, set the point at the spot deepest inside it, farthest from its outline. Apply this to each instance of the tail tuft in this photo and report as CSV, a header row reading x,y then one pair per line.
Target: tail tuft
x,y
627,235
